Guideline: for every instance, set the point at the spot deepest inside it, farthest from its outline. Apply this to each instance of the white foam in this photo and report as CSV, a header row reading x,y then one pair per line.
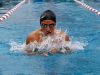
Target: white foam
x,y
15,46
57,41
76,45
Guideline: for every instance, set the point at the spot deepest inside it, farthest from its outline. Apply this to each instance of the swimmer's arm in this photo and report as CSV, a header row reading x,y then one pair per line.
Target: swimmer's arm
x,y
29,39
54,51
66,36
67,39
30,52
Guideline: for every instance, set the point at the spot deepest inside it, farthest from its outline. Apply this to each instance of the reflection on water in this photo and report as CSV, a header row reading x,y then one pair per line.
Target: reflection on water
x,y
53,1
6,5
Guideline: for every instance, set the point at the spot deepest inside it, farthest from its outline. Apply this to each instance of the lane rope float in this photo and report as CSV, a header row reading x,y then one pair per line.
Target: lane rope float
x,y
11,11
88,7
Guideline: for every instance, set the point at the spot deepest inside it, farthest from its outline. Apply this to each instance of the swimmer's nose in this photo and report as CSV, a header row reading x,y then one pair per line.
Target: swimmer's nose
x,y
48,29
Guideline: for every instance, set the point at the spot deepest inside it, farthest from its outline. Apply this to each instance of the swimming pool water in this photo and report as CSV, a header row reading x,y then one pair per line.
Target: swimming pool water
x,y
83,28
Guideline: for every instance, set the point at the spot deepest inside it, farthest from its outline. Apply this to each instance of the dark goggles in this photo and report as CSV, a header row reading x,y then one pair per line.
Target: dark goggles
x,y
48,25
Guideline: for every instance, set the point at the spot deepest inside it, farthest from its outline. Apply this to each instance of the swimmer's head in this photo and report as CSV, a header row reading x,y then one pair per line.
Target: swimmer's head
x,y
48,15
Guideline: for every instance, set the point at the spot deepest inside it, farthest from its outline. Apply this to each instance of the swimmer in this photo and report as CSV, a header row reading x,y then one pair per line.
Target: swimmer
x,y
47,28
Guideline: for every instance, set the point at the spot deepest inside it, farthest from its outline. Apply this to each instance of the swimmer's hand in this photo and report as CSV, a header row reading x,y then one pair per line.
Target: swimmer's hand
x,y
68,50
53,50
35,52
45,54
29,52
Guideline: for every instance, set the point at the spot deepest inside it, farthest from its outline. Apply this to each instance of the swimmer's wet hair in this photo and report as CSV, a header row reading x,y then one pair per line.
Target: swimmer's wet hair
x,y
48,15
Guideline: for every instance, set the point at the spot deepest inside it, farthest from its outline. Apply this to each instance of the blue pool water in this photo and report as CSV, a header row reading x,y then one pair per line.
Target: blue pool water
x,y
83,28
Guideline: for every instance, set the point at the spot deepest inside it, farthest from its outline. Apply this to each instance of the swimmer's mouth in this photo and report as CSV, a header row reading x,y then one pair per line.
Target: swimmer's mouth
x,y
48,33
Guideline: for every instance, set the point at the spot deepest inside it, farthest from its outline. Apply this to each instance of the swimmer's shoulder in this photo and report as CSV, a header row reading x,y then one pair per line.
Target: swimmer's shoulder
x,y
66,35
33,36
34,33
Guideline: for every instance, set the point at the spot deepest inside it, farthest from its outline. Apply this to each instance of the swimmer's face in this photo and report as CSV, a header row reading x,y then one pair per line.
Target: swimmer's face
x,y
48,27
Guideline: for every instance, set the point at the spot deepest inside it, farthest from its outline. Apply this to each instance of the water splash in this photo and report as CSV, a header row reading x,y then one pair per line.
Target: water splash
x,y
76,45
15,46
57,41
